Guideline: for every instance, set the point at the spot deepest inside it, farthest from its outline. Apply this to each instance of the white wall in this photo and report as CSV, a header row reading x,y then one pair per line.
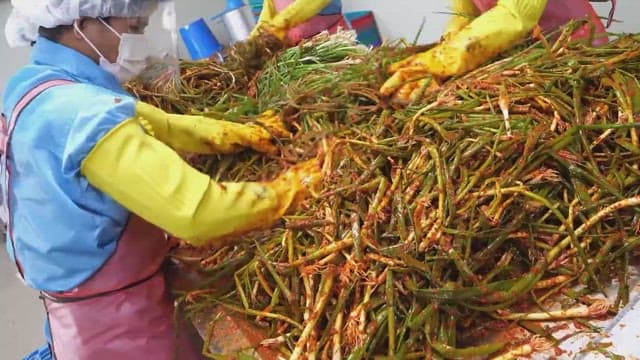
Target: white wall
x,y
396,18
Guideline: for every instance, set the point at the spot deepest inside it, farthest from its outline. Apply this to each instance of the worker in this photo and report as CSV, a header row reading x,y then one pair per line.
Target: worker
x,y
95,186
480,30
296,20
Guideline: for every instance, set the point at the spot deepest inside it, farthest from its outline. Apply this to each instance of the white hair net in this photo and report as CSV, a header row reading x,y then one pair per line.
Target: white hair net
x,y
28,15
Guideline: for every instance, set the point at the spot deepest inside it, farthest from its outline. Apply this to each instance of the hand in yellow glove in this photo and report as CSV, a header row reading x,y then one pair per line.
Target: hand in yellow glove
x,y
278,17
202,135
147,177
466,45
306,177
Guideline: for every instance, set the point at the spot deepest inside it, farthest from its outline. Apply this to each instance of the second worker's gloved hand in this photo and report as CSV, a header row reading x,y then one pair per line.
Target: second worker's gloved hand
x,y
300,181
295,19
202,135
466,45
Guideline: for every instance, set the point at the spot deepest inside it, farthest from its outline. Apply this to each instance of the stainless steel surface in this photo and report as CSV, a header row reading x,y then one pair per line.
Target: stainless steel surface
x,y
621,333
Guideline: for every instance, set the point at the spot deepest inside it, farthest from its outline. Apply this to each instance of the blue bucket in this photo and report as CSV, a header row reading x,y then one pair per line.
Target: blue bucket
x,y
42,353
199,40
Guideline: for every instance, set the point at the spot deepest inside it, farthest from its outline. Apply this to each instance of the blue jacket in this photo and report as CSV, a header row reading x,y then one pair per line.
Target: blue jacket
x,y
64,229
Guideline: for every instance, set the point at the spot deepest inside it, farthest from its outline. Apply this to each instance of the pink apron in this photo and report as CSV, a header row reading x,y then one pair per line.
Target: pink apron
x,y
311,27
560,12
124,311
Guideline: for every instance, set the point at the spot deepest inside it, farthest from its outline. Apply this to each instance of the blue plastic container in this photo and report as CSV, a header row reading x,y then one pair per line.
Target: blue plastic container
x,y
364,23
42,353
256,8
199,40
234,4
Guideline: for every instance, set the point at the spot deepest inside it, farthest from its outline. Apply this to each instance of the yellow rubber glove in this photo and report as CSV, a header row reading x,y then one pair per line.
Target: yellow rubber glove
x,y
267,14
151,180
486,36
464,11
202,135
279,23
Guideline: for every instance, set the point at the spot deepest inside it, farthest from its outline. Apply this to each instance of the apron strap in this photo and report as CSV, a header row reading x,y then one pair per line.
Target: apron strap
x,y
61,297
6,130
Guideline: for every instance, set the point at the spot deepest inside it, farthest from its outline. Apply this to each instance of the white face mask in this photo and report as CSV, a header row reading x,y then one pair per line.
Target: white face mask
x,y
133,53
